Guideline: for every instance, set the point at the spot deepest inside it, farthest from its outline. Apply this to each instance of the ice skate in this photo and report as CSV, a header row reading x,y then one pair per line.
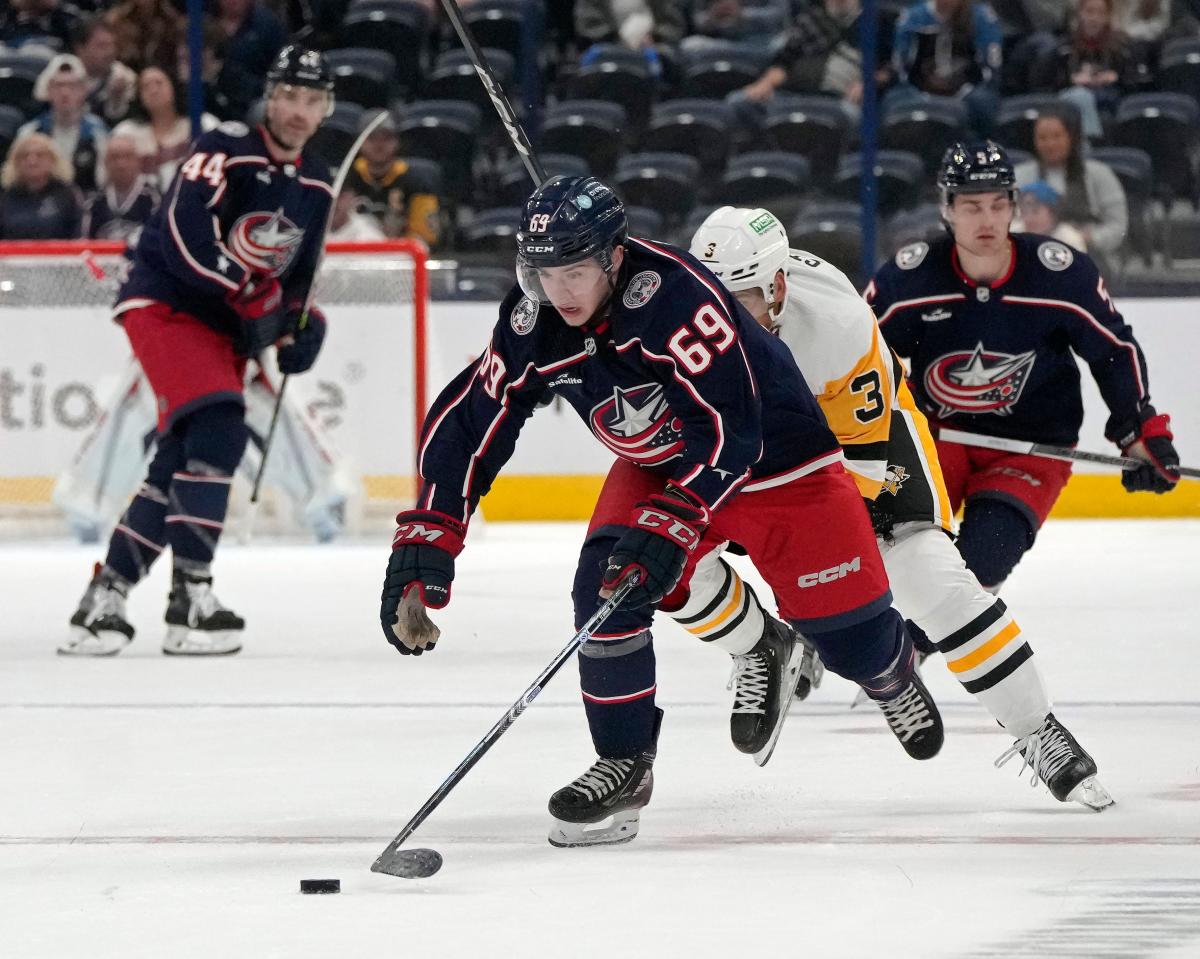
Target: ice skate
x,y
197,623
914,718
1061,763
99,626
812,670
764,679
602,807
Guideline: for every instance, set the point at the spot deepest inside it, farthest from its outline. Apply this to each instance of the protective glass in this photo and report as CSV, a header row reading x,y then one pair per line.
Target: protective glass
x,y
573,284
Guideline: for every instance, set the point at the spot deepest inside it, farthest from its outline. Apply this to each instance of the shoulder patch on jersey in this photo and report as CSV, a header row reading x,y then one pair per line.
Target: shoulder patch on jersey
x,y
1055,256
911,256
524,316
233,128
643,286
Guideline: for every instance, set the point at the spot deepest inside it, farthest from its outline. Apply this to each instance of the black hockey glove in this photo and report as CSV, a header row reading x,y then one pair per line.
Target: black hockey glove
x,y
259,303
664,531
882,516
420,571
298,351
1152,443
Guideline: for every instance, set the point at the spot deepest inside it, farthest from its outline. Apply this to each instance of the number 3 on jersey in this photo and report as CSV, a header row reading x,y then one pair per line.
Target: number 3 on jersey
x,y
692,350
868,384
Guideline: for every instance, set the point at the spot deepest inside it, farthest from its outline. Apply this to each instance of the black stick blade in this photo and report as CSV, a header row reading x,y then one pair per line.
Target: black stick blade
x,y
409,863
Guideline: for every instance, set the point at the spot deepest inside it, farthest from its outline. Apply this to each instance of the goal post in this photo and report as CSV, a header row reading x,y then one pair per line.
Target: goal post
x,y
64,366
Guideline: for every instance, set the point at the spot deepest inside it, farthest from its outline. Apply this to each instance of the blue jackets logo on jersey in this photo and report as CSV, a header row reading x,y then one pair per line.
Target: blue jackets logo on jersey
x,y
979,381
637,424
265,242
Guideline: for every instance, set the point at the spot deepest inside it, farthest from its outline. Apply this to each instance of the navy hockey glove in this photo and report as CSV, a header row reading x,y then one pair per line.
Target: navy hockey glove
x,y
298,351
420,571
258,301
664,531
1151,443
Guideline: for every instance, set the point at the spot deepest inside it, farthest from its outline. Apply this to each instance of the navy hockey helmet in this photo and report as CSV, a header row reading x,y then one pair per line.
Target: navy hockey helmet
x,y
299,66
976,168
567,220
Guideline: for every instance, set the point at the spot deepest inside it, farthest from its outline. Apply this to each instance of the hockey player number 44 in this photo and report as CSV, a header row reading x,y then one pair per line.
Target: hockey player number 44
x,y
696,356
201,165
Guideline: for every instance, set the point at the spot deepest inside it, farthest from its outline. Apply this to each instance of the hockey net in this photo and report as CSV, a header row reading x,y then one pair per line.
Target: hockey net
x,y
66,371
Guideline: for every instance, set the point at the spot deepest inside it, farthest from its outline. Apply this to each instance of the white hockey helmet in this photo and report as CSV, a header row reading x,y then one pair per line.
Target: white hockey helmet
x,y
744,248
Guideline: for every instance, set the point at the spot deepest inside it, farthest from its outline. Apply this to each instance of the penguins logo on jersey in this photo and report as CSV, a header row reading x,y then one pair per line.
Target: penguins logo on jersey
x,y
894,478
638,425
978,381
265,242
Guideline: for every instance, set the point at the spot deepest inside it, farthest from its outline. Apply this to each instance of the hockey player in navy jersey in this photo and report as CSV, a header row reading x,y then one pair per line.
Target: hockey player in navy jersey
x,y
988,321
221,272
717,438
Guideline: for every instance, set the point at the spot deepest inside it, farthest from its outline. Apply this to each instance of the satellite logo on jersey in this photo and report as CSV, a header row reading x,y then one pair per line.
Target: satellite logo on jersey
x,y
978,381
894,478
265,242
641,288
638,425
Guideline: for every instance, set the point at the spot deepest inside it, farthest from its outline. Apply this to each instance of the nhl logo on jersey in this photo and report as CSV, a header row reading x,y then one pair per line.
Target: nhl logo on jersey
x,y
640,289
265,242
524,316
978,381
637,423
911,256
1055,256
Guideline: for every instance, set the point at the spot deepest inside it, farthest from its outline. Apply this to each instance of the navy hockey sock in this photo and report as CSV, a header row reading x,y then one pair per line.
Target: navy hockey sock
x,y
875,653
140,534
617,681
993,538
214,440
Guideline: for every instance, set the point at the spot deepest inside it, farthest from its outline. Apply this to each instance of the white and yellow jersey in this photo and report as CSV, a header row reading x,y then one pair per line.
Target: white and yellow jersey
x,y
859,383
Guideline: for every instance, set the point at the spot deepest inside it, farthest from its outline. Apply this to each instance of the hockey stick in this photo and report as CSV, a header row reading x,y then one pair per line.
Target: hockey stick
x,y
509,118
420,863
1047,450
338,182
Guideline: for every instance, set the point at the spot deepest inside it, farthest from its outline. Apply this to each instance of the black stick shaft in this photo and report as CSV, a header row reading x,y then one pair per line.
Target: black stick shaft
x,y
505,721
509,118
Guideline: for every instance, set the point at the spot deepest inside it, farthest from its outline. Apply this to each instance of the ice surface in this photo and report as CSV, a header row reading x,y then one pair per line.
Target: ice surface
x,y
155,806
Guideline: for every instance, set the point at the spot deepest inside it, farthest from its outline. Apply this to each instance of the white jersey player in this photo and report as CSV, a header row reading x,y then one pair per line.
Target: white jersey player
x,y
860,386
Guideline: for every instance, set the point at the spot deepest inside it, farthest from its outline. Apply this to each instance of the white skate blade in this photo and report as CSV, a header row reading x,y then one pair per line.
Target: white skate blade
x,y
1091,794
83,642
618,828
791,677
181,641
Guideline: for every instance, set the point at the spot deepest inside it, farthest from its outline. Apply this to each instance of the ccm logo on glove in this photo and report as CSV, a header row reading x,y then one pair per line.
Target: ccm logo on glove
x,y
669,526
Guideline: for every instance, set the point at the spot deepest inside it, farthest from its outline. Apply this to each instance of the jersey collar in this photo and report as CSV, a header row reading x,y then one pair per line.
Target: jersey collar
x,y
995,284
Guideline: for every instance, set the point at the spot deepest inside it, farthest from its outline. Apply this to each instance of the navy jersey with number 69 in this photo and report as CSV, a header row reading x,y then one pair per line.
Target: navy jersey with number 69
x,y
997,358
231,211
678,379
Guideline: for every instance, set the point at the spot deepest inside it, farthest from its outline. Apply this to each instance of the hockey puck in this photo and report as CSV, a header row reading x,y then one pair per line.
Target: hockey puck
x,y
317,886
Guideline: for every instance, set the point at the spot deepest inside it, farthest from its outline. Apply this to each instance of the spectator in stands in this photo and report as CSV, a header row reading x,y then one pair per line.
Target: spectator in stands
x,y
42,22
37,201
391,190
727,20
949,48
1146,21
820,54
349,223
216,81
253,35
118,211
146,32
159,121
110,84
1095,66
1038,208
638,24
80,136
1093,200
